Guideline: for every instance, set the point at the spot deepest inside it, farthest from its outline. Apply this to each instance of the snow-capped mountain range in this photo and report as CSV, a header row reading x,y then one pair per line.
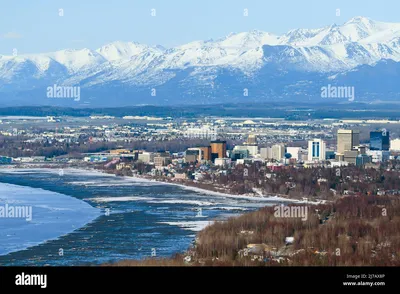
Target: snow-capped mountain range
x,y
268,66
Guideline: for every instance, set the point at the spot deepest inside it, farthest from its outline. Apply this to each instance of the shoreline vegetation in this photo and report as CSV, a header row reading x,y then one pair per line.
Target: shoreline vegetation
x,y
351,230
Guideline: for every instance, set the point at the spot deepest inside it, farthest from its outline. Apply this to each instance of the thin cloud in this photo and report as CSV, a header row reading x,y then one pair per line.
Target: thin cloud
x,y
11,35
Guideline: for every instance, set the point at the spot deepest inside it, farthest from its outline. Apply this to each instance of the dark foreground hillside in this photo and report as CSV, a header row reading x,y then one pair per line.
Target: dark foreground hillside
x,y
353,231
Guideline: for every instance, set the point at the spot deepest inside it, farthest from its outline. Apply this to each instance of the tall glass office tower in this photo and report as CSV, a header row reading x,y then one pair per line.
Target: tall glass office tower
x,y
379,140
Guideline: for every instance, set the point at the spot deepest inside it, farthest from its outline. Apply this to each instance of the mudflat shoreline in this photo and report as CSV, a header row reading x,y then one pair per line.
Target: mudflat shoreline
x,y
190,185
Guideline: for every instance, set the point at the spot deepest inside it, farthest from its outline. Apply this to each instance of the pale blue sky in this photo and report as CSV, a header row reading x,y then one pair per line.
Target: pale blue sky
x,y
33,26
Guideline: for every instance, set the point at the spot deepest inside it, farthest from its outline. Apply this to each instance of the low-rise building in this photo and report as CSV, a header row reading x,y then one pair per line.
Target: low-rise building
x,y
5,160
350,156
146,157
120,151
193,155
222,161
162,161
180,176
378,155
121,165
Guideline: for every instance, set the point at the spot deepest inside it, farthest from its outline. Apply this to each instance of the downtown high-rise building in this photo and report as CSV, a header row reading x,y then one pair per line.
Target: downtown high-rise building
x,y
266,152
278,151
316,150
218,149
379,140
347,140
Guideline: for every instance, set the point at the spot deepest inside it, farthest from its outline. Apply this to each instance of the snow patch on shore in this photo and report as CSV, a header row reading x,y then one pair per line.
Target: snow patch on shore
x,y
195,226
179,201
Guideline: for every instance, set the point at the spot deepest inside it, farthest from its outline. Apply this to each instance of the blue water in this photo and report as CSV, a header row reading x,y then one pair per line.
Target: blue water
x,y
133,218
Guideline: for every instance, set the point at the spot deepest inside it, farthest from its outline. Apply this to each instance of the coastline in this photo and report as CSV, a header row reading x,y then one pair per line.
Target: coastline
x,y
224,194
182,184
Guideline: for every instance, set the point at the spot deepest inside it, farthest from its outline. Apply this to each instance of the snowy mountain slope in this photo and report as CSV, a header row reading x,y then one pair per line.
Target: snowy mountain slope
x,y
76,60
121,51
197,68
358,29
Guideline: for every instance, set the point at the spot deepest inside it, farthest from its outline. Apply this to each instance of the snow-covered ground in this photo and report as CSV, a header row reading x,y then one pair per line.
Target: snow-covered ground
x,y
192,226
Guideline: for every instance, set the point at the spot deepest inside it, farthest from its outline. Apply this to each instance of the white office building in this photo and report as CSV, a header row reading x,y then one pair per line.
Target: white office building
x,y
222,161
278,151
266,153
253,149
316,150
295,152
395,145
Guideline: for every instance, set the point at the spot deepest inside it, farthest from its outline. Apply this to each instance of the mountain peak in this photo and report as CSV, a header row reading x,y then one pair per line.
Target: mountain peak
x,y
360,19
121,50
251,39
332,26
257,32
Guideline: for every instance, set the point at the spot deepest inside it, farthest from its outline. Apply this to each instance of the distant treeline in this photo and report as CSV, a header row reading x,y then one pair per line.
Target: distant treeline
x,y
290,111
19,147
